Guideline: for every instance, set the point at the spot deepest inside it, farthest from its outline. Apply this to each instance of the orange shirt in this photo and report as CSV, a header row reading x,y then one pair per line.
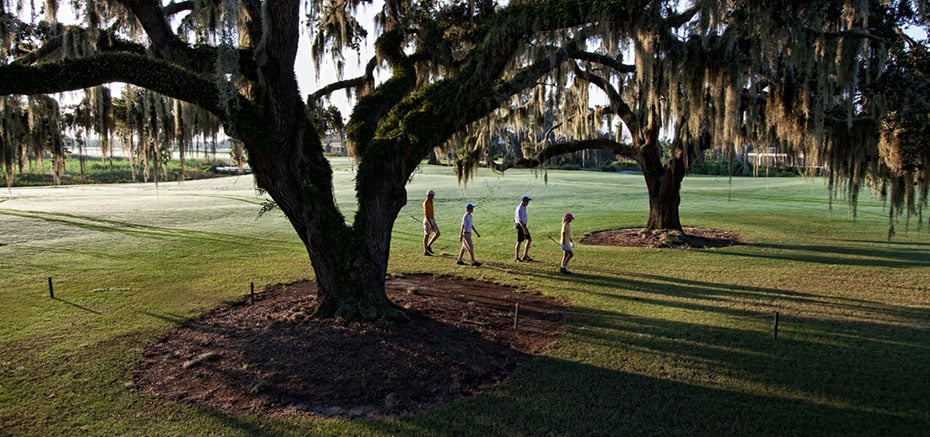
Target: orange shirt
x,y
428,208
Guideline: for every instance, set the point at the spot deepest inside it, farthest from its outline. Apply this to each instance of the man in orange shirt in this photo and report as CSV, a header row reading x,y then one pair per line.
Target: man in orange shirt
x,y
429,224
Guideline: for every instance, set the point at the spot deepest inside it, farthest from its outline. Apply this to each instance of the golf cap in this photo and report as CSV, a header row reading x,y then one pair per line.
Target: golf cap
x,y
569,216
430,193
526,199
469,206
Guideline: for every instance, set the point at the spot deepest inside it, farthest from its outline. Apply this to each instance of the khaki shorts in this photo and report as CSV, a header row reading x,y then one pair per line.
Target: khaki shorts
x,y
430,226
467,238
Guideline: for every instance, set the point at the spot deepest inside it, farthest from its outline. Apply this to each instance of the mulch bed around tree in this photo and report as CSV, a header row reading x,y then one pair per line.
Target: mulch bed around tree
x,y
693,238
269,358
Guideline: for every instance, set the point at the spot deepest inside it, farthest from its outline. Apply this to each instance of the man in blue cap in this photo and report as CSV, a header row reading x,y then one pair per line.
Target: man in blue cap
x,y
523,234
468,226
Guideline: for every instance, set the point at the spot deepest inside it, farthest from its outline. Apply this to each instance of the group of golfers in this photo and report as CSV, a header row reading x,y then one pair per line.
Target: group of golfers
x,y
431,233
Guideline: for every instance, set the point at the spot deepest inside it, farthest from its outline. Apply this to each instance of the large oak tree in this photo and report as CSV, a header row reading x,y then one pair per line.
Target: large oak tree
x,y
448,67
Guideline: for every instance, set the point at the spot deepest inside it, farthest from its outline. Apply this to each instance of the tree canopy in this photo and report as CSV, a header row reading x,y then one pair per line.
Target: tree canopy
x,y
718,74
812,79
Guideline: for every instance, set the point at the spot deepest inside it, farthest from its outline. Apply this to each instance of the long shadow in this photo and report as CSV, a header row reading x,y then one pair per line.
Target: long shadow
x,y
138,230
77,306
886,242
716,297
559,397
669,286
837,255
171,318
685,288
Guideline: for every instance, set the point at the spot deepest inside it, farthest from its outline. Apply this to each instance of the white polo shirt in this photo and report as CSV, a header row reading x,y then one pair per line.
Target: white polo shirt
x,y
519,216
467,222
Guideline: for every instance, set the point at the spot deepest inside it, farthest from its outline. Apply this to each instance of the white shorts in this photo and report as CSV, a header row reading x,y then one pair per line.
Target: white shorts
x,y
430,226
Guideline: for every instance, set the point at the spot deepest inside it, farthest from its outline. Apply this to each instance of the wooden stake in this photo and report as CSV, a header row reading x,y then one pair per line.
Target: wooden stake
x,y
516,314
51,291
252,292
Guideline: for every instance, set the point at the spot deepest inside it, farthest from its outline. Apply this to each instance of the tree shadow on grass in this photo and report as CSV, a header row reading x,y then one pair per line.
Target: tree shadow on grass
x,y
627,374
102,225
720,297
871,256
559,397
645,375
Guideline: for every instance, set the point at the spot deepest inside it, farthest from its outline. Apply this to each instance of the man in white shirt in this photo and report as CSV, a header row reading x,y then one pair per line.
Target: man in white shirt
x,y
523,234
468,227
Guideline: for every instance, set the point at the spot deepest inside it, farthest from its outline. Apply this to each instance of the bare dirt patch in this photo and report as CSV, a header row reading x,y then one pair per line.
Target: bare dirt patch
x,y
268,358
693,238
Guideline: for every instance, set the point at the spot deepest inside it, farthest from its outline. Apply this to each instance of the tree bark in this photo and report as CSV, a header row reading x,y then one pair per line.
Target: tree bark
x,y
286,154
663,183
349,262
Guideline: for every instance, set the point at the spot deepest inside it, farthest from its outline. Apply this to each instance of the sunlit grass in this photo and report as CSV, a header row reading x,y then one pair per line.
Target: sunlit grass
x,y
115,170
657,341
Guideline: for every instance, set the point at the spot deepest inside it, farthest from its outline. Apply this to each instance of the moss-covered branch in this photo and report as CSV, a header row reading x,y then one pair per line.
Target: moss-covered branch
x,y
607,61
562,148
477,89
373,108
365,79
142,71
150,15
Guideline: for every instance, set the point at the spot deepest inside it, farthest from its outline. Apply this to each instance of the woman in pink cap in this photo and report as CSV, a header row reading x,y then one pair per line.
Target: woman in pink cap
x,y
566,242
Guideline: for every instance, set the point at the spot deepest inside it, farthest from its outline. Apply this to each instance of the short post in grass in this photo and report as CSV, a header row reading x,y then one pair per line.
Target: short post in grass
x,y
252,293
51,291
775,327
516,314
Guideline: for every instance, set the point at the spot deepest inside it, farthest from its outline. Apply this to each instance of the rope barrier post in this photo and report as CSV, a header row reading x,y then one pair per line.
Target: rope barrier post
x,y
775,327
252,293
516,313
51,291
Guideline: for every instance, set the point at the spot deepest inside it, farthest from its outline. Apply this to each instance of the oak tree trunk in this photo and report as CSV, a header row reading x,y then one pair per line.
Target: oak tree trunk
x,y
349,262
663,183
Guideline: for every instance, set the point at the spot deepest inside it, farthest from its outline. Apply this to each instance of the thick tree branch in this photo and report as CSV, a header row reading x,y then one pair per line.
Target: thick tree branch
x,y
607,61
556,149
620,107
858,32
526,78
372,109
153,20
174,8
106,42
510,27
142,71
677,20
364,80
429,117
165,44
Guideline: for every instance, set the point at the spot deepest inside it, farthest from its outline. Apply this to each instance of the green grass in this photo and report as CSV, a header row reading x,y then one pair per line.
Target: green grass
x,y
98,170
656,342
